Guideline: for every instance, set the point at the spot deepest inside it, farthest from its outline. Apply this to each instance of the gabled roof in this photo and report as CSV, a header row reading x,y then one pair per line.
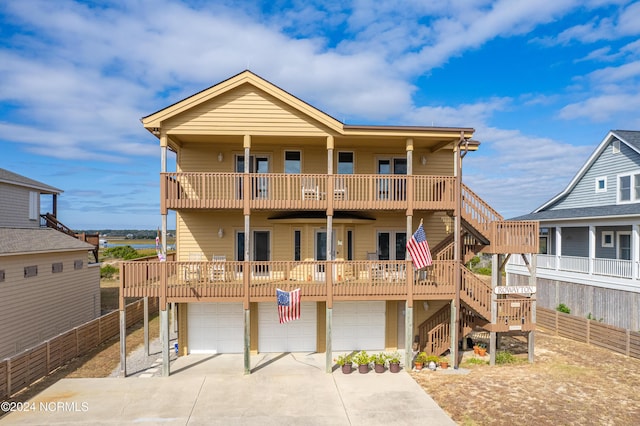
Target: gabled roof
x,y
154,121
630,138
15,179
15,241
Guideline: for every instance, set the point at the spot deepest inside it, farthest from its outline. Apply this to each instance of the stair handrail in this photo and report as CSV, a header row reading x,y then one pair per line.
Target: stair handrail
x,y
475,292
476,211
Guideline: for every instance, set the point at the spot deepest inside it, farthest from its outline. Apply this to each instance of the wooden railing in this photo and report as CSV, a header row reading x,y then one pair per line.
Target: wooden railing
x,y
514,237
514,314
475,293
477,212
306,191
434,332
371,279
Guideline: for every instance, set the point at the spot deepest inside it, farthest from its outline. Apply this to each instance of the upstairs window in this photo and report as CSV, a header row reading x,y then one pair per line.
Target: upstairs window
x,y
345,163
601,184
77,264
56,267
629,188
33,205
292,162
2,276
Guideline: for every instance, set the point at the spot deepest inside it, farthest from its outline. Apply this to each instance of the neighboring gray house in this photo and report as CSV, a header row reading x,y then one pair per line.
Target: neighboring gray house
x,y
590,237
47,285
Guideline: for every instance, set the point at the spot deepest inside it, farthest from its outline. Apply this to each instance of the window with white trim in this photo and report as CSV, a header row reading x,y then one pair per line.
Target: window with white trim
x,y
33,205
629,188
607,239
601,184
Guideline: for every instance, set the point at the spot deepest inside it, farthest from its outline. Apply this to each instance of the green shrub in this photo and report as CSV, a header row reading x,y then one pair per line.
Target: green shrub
x,y
122,252
563,308
474,262
504,357
483,271
108,271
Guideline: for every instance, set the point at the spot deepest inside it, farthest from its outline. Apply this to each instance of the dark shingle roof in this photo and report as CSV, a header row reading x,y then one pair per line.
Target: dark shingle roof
x,y
632,137
584,212
37,240
16,179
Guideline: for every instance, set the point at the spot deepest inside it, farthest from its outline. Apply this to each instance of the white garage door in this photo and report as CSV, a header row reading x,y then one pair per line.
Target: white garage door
x,y
294,336
215,328
358,326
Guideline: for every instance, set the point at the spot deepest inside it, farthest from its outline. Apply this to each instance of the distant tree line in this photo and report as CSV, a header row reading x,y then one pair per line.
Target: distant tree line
x,y
136,234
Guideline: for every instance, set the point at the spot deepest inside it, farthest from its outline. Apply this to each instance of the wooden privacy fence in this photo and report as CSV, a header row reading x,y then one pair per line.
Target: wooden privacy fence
x,y
584,330
20,371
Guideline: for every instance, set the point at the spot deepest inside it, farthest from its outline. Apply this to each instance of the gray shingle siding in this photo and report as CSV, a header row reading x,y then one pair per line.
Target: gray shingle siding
x,y
607,165
575,241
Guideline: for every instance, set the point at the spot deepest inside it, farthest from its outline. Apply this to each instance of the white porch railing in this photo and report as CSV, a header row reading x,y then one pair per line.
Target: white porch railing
x,y
618,268
613,267
574,264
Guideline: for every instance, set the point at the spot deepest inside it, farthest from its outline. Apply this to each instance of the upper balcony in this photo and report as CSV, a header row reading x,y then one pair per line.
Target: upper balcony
x,y
279,191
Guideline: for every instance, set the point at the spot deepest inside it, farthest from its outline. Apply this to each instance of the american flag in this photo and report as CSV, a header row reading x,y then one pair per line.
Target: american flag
x,y
288,305
418,248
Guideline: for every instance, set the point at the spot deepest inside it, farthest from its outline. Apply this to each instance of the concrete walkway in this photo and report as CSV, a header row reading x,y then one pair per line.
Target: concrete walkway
x,y
290,389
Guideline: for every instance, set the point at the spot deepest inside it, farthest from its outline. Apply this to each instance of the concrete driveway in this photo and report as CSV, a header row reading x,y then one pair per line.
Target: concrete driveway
x,y
290,389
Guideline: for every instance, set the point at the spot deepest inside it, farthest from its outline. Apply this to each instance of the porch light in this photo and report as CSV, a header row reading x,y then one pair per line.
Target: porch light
x,y
220,232
425,305
220,157
423,160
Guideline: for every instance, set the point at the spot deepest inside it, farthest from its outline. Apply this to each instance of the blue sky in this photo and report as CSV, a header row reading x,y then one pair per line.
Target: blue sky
x,y
542,82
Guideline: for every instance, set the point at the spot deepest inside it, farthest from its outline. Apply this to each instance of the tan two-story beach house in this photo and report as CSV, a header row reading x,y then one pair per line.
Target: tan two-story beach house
x,y
270,192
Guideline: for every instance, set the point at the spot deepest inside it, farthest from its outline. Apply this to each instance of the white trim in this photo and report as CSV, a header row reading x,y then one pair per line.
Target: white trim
x,y
34,207
615,147
619,246
598,180
606,234
583,170
632,178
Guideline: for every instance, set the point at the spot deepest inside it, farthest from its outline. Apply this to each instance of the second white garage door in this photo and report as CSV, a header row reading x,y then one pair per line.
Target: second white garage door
x,y
294,336
215,328
358,326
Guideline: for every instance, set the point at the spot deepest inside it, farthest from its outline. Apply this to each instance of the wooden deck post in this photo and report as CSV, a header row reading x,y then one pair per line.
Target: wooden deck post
x,y
146,324
329,348
164,338
247,341
495,282
408,336
123,324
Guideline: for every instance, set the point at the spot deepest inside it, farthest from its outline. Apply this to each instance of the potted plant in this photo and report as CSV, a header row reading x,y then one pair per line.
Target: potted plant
x,y
421,358
345,362
394,362
432,362
482,349
444,362
379,360
363,359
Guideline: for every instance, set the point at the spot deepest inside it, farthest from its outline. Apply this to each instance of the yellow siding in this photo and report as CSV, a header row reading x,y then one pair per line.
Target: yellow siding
x,y
198,233
244,110
391,324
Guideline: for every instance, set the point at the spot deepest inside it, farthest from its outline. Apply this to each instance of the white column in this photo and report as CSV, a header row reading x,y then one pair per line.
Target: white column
x,y
558,246
635,252
592,247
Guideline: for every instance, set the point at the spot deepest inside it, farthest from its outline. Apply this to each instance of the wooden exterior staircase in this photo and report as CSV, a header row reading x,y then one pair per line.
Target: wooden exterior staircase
x,y
51,221
483,230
